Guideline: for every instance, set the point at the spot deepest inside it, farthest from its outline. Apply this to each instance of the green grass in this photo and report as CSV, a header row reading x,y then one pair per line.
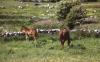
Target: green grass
x,y
11,12
29,9
91,7
48,49
11,15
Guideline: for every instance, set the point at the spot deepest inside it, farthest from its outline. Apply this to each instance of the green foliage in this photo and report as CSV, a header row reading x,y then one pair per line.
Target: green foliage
x,y
70,12
76,13
64,8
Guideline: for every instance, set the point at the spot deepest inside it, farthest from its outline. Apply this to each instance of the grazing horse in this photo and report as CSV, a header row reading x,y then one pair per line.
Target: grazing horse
x,y
29,32
64,35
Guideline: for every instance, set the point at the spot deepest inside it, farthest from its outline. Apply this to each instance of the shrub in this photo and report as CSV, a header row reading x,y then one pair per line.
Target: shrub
x,y
64,9
70,12
76,13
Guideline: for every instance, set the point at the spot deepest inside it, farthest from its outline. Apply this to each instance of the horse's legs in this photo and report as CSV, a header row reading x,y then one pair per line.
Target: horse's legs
x,y
33,37
62,43
69,42
26,37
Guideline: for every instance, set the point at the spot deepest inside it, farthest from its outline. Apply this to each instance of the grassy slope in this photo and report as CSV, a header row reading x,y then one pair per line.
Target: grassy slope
x,y
29,9
32,10
11,16
93,6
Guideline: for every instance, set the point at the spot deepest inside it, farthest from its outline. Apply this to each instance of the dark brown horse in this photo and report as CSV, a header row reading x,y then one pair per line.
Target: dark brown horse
x,y
29,32
64,35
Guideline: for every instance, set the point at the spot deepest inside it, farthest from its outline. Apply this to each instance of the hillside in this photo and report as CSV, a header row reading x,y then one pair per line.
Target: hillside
x,y
93,9
19,12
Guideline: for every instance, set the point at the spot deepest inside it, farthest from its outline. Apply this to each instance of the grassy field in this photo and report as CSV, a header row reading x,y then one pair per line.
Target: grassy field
x,y
28,9
11,14
48,49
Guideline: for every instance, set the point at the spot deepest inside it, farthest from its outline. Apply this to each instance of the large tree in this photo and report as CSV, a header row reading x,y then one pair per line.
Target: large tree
x,y
69,12
76,13
64,9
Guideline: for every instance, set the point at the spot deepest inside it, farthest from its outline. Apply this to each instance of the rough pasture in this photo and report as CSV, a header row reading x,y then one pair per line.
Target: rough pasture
x,y
47,47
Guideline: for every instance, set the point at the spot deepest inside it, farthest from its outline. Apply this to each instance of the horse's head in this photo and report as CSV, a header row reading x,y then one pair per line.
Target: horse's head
x,y
24,28
64,29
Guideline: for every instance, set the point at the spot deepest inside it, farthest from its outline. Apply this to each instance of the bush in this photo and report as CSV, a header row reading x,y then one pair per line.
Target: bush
x,y
76,13
64,9
70,12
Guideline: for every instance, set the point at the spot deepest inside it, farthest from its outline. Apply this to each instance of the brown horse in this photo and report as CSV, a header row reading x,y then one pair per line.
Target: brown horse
x,y
29,32
64,35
